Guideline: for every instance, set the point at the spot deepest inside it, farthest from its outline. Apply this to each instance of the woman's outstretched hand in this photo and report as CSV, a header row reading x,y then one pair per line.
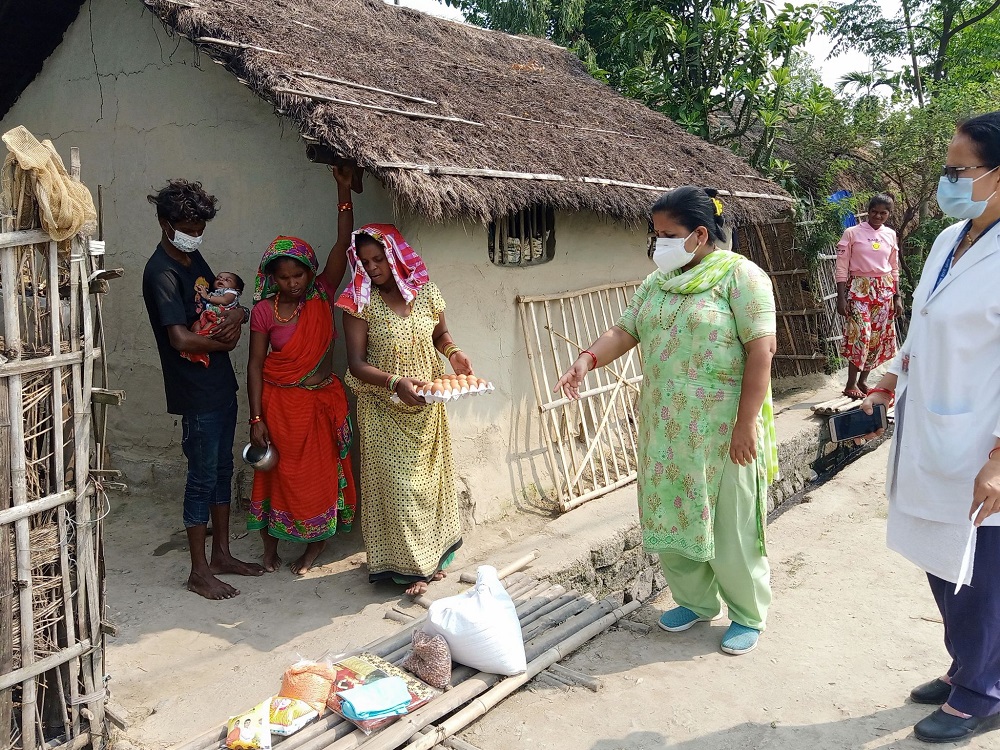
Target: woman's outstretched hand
x,y
986,492
406,389
461,363
259,436
743,446
572,379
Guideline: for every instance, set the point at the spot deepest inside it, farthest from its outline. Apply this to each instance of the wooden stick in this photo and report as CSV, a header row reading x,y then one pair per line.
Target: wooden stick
x,y
311,732
573,127
636,627
557,617
433,169
19,494
552,682
6,574
372,107
533,363
398,616
454,743
77,743
550,607
34,507
592,392
35,668
525,299
235,45
481,705
23,238
591,683
507,570
351,84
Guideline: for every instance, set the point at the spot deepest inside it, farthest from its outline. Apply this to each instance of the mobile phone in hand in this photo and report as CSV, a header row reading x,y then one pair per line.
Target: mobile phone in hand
x,y
855,423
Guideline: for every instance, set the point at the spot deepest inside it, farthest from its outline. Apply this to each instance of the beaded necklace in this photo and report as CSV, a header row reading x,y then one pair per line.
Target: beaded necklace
x,y
291,317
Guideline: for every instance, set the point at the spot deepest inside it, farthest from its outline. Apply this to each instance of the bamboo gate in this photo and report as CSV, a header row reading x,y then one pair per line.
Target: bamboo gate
x,y
53,479
590,443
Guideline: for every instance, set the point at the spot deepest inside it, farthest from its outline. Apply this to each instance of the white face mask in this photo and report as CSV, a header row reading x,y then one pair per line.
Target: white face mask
x,y
670,253
955,198
185,242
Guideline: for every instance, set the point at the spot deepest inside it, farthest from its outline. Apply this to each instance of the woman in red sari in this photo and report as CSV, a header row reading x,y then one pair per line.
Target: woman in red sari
x,y
296,401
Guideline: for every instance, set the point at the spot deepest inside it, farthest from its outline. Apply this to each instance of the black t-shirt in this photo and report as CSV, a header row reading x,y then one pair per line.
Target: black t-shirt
x,y
168,289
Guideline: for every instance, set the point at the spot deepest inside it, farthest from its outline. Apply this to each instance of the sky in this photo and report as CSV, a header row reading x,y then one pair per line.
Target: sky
x,y
832,70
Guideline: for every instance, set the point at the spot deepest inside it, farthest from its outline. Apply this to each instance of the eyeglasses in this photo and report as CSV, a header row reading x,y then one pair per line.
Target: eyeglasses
x,y
953,173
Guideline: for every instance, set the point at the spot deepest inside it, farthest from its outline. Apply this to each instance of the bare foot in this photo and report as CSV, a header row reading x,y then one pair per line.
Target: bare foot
x,y
440,575
210,587
416,589
271,561
308,559
229,564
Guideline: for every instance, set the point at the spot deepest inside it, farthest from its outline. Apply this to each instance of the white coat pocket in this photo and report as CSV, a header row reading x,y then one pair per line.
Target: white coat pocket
x,y
951,446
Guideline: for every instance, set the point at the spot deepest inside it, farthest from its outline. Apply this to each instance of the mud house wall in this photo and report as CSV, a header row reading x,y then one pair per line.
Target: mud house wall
x,y
151,109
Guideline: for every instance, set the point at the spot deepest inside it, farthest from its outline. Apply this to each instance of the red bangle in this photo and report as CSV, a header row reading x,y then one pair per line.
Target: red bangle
x,y
887,392
255,420
345,207
592,356
992,452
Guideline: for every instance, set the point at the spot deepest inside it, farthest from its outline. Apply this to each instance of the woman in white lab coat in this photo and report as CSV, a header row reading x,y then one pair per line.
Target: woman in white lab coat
x,y
944,465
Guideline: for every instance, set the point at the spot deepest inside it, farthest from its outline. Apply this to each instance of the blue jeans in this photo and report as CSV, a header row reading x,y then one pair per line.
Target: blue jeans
x,y
208,444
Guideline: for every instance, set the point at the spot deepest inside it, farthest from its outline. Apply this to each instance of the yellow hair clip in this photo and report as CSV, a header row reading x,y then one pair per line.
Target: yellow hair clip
x,y
718,206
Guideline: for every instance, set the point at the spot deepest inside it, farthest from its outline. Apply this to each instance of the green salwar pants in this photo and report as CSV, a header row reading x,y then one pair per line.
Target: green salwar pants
x,y
739,575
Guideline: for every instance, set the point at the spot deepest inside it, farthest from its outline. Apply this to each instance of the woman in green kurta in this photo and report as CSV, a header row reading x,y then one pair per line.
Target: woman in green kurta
x,y
705,325
396,333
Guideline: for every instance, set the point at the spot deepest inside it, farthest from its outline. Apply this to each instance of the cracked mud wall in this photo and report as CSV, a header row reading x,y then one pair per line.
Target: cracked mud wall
x,y
144,107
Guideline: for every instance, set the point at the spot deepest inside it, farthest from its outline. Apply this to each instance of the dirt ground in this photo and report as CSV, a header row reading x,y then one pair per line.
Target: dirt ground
x,y
852,629
181,664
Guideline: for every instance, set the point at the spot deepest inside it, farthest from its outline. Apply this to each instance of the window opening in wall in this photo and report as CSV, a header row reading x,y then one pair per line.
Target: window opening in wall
x,y
525,238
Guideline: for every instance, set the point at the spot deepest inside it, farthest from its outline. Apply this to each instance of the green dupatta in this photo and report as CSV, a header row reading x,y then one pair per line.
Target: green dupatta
x,y
712,270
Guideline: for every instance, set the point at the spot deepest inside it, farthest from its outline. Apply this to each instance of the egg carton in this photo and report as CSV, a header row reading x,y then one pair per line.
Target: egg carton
x,y
449,394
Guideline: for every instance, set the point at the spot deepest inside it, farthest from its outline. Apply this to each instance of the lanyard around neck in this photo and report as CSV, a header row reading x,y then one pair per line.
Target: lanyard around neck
x,y
943,273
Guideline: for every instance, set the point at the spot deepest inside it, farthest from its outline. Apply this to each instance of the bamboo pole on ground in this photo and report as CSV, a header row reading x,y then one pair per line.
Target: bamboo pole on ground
x,y
560,615
507,570
565,673
554,654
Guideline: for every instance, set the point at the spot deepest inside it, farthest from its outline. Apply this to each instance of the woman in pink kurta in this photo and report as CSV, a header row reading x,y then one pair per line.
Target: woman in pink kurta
x,y
868,294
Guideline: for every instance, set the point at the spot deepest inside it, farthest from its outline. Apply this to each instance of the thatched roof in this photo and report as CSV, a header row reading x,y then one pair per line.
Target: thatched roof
x,y
472,75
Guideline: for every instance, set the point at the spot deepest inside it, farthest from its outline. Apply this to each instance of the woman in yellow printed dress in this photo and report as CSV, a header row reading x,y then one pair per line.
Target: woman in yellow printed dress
x,y
705,324
396,333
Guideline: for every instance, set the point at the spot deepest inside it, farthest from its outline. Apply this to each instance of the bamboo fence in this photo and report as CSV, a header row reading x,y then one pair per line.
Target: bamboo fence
x,y
52,629
832,325
773,247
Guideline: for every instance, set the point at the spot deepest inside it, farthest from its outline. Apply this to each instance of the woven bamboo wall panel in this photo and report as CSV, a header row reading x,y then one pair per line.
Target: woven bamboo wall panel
x,y
773,247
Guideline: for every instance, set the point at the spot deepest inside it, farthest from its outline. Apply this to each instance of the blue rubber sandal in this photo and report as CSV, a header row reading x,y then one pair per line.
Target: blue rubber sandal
x,y
679,619
739,639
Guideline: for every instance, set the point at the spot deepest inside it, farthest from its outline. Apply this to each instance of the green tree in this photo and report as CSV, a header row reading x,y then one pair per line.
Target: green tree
x,y
722,69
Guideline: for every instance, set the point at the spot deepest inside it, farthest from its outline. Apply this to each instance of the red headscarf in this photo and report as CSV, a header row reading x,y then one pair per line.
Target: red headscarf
x,y
407,268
